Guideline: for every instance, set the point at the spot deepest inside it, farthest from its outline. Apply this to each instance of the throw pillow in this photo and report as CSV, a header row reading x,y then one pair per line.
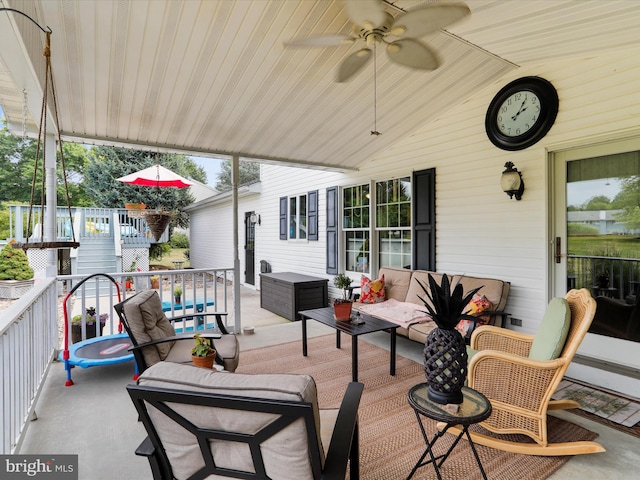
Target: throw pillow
x,y
372,291
478,304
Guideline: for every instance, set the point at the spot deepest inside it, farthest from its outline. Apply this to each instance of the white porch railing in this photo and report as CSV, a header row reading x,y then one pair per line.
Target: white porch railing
x,y
28,342
29,334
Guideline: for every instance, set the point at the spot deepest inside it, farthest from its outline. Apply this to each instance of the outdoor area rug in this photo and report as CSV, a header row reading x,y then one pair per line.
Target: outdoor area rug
x,y
390,439
615,411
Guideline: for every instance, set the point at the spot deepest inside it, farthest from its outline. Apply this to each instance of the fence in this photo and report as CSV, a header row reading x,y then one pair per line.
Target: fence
x,y
610,276
30,337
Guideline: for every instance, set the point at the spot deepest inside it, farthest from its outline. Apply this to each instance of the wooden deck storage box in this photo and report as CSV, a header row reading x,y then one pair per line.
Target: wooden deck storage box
x,y
287,293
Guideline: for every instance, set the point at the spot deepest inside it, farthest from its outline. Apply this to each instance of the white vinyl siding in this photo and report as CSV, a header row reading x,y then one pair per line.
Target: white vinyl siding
x,y
480,232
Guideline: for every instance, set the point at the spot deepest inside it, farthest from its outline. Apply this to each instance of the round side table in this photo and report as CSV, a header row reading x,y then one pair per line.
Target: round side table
x,y
474,408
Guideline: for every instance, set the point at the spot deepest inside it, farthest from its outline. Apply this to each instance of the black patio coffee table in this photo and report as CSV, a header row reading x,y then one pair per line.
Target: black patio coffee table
x,y
370,325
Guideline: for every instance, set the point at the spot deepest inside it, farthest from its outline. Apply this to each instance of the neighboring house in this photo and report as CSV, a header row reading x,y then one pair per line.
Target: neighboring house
x,y
476,229
604,220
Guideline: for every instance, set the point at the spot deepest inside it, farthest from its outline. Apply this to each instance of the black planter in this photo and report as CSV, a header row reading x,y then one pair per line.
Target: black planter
x,y
445,365
76,332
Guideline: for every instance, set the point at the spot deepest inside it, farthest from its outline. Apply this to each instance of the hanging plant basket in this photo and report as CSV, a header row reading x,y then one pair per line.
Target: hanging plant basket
x,y
157,221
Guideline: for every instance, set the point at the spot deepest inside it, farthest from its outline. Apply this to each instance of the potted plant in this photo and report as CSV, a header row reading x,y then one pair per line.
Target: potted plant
x,y
91,324
155,281
342,306
202,354
16,275
177,294
445,351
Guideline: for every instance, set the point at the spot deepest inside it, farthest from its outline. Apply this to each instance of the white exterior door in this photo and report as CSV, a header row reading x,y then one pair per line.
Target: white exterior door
x,y
587,250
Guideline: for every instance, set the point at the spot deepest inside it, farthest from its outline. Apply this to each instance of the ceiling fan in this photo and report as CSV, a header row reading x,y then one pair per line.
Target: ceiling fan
x,y
372,25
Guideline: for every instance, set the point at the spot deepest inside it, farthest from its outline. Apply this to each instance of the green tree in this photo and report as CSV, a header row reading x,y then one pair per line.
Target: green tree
x,y
629,200
106,164
249,172
17,167
599,202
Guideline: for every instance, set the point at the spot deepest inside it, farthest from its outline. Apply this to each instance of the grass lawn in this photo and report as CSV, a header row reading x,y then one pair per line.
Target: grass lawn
x,y
166,263
626,246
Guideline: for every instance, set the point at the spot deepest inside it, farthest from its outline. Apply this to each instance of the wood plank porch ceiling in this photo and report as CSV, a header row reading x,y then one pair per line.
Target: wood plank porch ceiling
x,y
213,78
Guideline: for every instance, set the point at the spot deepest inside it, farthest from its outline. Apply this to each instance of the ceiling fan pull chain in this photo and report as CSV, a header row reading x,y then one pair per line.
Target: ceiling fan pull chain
x,y
375,90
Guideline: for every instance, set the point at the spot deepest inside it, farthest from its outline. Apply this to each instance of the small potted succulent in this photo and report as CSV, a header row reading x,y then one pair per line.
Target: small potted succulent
x,y
155,281
91,324
202,354
342,306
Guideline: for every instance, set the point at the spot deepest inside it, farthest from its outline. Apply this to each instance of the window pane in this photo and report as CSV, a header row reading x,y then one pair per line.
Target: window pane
x,y
293,216
395,248
303,217
381,219
357,250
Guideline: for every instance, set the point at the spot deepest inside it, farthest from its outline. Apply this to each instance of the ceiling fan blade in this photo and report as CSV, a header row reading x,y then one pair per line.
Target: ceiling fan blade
x,y
366,13
352,64
414,54
334,40
428,19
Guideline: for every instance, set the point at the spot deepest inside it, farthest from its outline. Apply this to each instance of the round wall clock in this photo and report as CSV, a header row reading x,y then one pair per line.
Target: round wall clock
x,y
521,113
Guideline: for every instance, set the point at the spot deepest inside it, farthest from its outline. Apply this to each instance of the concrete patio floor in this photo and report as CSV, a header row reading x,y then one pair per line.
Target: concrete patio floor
x,y
96,420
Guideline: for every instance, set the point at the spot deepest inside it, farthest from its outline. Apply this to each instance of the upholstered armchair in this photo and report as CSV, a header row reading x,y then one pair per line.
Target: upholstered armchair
x,y
155,340
202,422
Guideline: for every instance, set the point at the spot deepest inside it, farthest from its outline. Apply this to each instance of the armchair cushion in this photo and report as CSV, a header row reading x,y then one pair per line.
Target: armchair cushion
x,y
552,333
289,447
148,322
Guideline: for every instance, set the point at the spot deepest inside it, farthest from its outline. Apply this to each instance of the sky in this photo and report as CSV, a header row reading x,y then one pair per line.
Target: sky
x,y
212,167
581,192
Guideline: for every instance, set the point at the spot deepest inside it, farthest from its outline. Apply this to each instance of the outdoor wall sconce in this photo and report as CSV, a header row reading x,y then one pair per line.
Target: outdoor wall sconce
x,y
255,219
511,181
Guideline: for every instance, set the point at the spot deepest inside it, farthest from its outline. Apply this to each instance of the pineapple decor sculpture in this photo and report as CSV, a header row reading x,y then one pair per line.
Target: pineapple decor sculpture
x,y
445,352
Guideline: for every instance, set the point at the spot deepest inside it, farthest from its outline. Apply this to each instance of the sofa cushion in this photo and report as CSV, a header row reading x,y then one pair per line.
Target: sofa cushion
x,y
148,322
289,447
415,291
552,333
396,282
372,291
495,290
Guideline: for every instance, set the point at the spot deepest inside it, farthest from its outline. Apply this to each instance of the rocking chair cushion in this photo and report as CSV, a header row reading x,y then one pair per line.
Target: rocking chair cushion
x,y
289,447
549,341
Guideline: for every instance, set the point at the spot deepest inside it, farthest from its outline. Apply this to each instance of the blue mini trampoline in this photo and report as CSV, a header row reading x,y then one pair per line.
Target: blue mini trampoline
x,y
98,351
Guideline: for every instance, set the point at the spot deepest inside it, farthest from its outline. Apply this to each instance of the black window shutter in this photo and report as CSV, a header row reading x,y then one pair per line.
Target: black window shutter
x,y
312,209
424,220
332,230
283,218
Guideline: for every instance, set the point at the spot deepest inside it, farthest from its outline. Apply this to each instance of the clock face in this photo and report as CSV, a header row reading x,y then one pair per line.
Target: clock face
x,y
521,113
518,113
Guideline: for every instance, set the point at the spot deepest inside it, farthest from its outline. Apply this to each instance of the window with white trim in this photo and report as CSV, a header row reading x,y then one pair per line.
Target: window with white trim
x,y
356,226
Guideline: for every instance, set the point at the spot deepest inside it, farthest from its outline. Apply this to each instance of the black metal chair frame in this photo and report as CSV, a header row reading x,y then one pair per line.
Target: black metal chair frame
x,y
344,443
137,347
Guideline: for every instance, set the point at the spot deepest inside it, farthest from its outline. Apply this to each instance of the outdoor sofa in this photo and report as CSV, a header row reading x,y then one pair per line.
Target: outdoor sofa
x,y
394,296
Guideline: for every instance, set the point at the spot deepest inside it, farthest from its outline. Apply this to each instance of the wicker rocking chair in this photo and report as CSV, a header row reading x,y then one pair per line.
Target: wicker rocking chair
x,y
520,387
